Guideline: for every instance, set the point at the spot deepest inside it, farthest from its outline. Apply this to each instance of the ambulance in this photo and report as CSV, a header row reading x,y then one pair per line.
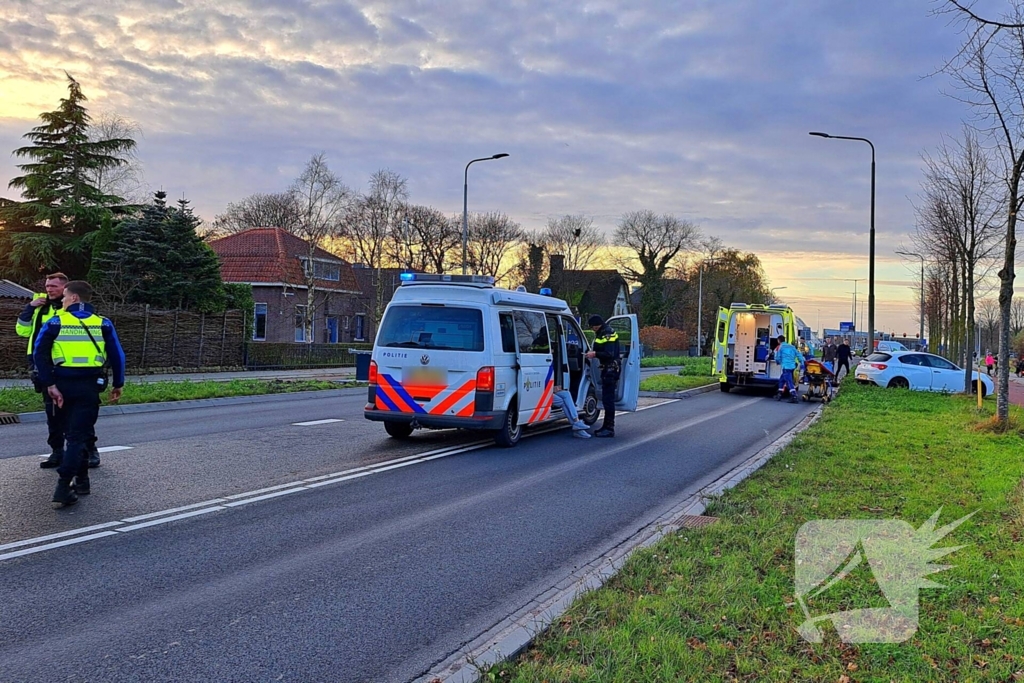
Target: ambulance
x,y
457,352
744,341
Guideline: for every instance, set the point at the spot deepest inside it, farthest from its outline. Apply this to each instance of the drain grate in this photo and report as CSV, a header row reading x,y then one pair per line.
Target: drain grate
x,y
696,521
9,419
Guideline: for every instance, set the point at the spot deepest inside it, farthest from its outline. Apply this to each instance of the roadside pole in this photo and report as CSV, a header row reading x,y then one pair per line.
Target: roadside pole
x,y
979,382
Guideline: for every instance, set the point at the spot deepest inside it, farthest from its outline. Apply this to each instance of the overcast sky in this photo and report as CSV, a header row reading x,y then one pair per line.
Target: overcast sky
x,y
698,108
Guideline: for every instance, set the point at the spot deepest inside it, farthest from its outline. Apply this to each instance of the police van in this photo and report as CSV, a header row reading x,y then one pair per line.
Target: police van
x,y
744,341
457,352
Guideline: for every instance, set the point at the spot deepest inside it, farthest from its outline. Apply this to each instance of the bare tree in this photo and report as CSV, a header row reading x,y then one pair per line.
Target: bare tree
x,y
373,230
275,210
491,237
654,243
958,226
575,238
322,200
125,180
988,70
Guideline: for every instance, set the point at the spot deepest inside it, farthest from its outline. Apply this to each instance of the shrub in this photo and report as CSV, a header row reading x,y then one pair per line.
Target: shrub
x,y
658,338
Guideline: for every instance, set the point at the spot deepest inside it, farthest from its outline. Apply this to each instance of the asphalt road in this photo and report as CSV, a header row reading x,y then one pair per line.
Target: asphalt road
x,y
374,578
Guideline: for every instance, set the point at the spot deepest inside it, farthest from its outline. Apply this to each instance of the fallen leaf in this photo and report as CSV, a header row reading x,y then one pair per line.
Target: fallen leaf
x,y
851,667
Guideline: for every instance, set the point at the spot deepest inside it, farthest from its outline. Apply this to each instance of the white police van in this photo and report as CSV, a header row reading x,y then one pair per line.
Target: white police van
x,y
456,352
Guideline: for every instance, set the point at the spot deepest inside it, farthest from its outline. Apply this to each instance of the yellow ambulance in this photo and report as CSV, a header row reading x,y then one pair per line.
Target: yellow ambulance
x,y
745,338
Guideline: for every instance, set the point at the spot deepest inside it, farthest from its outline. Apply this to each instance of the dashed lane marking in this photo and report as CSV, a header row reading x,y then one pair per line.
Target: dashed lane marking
x,y
313,423
104,449
196,509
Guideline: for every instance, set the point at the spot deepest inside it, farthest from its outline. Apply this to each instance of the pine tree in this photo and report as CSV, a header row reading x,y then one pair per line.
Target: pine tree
x,y
158,259
60,208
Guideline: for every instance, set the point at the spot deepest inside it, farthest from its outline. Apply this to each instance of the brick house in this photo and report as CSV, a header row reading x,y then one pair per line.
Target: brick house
x,y
273,260
588,292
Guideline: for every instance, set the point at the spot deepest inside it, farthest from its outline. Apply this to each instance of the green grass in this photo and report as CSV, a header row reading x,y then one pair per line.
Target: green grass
x,y
692,365
24,399
674,382
717,604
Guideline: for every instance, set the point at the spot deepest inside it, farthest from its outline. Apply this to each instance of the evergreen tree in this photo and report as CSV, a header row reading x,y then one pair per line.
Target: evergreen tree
x,y
158,259
60,207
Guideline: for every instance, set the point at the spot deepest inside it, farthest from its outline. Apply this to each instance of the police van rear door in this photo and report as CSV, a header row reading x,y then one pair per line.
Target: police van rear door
x,y
627,392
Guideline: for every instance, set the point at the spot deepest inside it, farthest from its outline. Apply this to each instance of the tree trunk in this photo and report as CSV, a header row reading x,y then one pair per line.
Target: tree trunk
x,y
1006,277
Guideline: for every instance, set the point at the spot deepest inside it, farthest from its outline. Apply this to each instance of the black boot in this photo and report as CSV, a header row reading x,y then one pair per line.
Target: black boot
x,y
82,486
53,461
94,459
64,495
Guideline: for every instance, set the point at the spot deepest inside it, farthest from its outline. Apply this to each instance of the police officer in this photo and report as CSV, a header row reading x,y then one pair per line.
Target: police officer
x,y
72,353
43,307
608,353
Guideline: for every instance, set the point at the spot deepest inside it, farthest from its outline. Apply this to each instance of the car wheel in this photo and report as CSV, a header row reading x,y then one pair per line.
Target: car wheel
x,y
591,410
899,383
974,389
398,430
510,432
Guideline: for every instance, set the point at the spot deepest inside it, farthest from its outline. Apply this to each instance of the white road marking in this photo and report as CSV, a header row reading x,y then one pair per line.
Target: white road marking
x,y
161,517
50,546
104,449
663,403
164,520
313,423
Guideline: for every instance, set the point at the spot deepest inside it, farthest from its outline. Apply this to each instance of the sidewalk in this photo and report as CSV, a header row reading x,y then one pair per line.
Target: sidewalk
x,y
318,373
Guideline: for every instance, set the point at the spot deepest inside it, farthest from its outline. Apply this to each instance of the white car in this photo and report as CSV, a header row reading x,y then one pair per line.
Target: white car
x,y
889,347
918,371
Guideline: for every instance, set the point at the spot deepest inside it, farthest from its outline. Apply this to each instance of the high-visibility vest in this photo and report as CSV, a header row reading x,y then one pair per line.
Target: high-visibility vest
x,y
73,348
614,336
25,329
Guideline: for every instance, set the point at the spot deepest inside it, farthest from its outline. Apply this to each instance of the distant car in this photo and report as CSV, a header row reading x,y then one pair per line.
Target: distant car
x,y
889,347
918,371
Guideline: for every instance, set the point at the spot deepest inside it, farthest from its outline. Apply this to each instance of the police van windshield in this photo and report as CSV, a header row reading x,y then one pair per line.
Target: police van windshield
x,y
444,328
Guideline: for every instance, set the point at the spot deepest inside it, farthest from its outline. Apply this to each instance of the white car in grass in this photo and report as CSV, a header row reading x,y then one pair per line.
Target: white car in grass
x,y
918,371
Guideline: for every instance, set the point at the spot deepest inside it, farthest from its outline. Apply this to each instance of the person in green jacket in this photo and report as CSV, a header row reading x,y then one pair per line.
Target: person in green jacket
x,y
45,305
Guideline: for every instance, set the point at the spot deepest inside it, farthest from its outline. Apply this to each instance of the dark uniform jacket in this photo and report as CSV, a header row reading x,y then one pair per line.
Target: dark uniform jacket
x,y
43,356
606,347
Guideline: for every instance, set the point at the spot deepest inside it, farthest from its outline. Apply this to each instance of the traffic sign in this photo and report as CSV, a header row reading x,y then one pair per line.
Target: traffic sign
x,y
846,327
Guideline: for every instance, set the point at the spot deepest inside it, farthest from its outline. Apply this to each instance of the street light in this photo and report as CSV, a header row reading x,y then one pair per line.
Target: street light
x,y
871,250
773,290
700,301
465,205
920,335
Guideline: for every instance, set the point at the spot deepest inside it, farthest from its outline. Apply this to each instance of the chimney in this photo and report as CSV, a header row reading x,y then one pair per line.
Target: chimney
x,y
557,263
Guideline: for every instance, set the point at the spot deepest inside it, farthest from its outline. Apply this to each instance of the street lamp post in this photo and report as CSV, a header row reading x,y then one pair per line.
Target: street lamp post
x,y
871,248
465,205
920,335
700,301
774,289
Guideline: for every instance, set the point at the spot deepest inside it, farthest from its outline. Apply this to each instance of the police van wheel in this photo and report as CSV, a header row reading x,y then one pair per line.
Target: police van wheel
x,y
398,430
591,409
510,431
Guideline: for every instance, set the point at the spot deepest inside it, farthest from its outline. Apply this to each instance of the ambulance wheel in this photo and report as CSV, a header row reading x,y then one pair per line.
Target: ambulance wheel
x,y
398,430
591,409
724,387
508,435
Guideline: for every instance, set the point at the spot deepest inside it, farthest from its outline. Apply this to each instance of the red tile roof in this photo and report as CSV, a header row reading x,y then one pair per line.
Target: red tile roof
x,y
272,255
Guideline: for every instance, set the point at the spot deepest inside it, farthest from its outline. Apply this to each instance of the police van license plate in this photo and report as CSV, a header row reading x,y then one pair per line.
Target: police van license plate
x,y
425,377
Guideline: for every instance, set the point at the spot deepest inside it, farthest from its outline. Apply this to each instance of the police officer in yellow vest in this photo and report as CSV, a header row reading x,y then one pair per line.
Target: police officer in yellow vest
x,y
608,352
43,307
72,354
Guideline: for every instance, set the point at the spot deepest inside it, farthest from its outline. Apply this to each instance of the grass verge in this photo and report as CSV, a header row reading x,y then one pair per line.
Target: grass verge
x,y
674,382
691,365
24,399
717,603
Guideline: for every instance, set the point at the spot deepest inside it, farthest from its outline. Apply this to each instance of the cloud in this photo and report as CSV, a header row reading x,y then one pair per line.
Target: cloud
x,y
700,109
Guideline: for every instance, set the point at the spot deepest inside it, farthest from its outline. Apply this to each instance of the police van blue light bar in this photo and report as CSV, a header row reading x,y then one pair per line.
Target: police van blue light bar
x,y
409,278
545,291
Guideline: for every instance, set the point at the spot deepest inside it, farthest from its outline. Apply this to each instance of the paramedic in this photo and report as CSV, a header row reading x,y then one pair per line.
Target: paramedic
x,y
72,353
608,353
789,358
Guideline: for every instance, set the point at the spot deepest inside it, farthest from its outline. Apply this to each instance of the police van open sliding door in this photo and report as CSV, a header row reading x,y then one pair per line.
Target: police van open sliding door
x,y
627,392
535,366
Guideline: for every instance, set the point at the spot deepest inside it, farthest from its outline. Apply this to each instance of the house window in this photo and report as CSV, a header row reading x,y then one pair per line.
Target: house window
x,y
323,270
620,304
360,334
331,329
259,326
300,328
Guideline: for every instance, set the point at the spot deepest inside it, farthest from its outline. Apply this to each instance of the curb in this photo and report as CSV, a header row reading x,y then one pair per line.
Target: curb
x,y
512,635
680,394
133,408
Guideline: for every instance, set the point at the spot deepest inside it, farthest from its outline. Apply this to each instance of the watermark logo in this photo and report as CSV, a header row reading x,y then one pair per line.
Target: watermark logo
x,y
898,557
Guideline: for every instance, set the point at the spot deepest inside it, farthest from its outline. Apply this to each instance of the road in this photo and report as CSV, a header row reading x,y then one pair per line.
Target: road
x,y
374,577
